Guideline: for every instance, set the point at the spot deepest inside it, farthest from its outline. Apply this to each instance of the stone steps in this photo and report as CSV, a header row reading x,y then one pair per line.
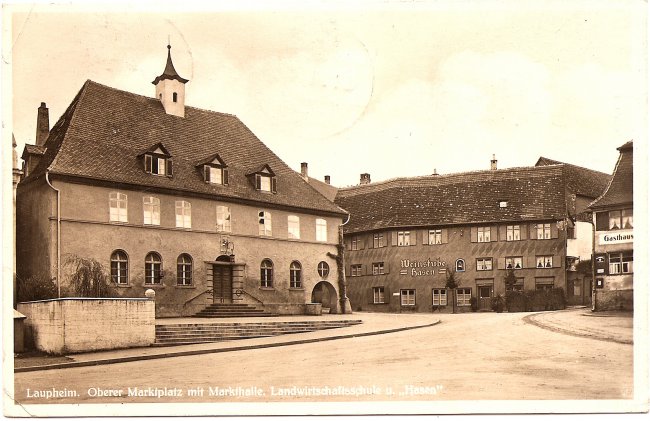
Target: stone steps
x,y
232,310
183,334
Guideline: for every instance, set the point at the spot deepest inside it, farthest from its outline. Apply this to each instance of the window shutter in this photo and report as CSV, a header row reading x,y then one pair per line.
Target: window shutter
x,y
225,176
371,241
425,237
386,268
494,236
533,231
147,163
602,221
413,238
206,173
258,182
393,238
554,230
386,295
523,233
557,261
473,232
371,295
503,232
445,236
501,263
362,242
274,185
170,171
528,262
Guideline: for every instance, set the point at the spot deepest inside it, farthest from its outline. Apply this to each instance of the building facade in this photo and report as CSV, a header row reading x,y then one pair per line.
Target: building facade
x,y
405,236
184,201
613,219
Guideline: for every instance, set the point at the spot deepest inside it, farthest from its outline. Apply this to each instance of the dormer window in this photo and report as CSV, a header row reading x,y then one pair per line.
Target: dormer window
x,y
158,161
215,171
264,180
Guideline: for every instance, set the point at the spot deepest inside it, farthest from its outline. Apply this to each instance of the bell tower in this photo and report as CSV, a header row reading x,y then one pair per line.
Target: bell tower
x,y
170,88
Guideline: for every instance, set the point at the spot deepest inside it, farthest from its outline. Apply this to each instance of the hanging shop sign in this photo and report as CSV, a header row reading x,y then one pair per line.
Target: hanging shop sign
x,y
422,267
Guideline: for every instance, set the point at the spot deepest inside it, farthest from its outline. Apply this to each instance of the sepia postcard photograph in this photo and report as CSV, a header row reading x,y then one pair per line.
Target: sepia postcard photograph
x,y
324,208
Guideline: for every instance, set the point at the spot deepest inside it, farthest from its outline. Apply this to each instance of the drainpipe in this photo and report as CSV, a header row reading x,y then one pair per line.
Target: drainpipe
x,y
58,232
593,263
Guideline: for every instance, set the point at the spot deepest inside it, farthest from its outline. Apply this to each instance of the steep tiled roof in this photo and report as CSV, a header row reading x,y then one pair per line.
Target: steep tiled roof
x,y
532,193
620,189
581,181
104,130
325,189
33,150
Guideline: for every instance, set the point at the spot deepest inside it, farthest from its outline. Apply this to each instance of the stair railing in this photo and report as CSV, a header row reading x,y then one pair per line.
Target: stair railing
x,y
239,292
207,291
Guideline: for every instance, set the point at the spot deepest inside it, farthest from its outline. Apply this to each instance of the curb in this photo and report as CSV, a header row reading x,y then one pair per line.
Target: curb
x,y
211,351
530,319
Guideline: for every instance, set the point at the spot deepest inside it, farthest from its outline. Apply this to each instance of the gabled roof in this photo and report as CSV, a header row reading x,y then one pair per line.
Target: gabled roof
x,y
211,160
532,194
580,181
32,150
103,131
325,189
621,188
158,148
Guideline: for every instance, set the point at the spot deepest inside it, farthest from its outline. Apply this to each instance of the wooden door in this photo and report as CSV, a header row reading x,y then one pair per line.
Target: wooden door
x,y
222,284
484,297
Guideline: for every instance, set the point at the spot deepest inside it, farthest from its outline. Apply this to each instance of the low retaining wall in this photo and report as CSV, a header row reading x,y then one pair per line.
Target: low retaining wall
x,y
89,324
614,300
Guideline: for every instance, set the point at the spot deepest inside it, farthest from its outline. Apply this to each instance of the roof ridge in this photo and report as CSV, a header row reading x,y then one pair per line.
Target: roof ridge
x,y
154,99
450,175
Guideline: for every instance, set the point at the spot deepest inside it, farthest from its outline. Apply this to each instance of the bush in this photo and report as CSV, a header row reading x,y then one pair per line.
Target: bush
x,y
536,300
35,288
498,303
89,278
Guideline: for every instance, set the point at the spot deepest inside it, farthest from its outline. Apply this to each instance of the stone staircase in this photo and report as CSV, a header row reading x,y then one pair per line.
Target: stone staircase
x,y
185,334
233,310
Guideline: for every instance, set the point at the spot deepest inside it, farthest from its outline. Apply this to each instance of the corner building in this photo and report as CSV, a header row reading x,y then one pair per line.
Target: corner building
x,y
405,235
613,218
185,201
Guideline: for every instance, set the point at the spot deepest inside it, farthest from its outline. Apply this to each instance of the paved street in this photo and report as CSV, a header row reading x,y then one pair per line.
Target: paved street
x,y
483,356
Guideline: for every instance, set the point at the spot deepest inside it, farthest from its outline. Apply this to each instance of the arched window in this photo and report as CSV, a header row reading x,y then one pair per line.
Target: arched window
x,y
295,279
184,270
152,269
460,265
266,273
323,269
120,267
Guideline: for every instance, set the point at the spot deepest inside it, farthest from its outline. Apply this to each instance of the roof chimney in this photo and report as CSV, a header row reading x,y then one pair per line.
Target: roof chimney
x,y
365,178
303,171
493,163
42,124
327,179
435,172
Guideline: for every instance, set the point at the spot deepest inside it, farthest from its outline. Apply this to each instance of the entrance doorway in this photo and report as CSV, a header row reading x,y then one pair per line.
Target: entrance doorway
x,y
222,281
484,297
325,294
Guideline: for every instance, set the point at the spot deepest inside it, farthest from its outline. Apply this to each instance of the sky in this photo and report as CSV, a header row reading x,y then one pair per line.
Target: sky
x,y
387,88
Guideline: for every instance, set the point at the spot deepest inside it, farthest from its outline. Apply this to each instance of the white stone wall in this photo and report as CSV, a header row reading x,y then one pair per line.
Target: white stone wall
x,y
87,324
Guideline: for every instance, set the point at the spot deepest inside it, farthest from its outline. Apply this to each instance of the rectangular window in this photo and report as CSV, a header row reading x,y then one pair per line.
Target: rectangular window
x,y
117,207
544,283
407,297
378,295
321,230
514,262
161,166
518,286
544,262
439,297
355,270
294,226
463,296
513,233
543,231
378,240
215,175
264,222
183,214
404,238
483,234
265,183
620,263
224,222
354,245
484,263
435,236
378,268
151,208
